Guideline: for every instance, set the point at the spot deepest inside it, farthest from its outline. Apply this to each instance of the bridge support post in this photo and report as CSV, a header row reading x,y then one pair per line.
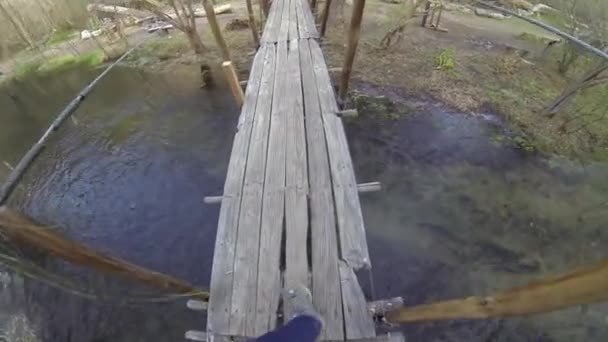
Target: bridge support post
x,y
233,81
325,17
215,28
425,16
265,7
353,40
252,24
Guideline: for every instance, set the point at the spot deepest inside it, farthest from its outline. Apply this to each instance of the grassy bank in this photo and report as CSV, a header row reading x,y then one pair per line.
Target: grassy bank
x,y
43,66
481,65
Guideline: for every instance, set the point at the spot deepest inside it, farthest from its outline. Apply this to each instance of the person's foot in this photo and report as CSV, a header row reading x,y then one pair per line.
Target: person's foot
x,y
299,301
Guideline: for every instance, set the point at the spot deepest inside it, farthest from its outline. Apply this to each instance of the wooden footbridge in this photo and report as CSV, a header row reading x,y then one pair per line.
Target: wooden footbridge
x,y
290,211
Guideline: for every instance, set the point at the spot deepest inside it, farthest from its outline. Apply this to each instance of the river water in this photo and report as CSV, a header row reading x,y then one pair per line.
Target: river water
x,y
467,207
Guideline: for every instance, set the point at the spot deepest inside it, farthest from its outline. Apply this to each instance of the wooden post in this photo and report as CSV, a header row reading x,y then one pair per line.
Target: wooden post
x,y
325,17
215,28
438,17
432,14
265,7
425,16
233,81
252,24
351,49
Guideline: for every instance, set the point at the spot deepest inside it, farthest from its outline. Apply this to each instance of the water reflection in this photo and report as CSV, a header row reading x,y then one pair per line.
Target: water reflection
x,y
468,211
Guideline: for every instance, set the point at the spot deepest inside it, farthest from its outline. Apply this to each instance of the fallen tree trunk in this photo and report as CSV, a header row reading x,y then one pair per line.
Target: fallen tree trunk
x,y
25,162
585,286
119,10
22,230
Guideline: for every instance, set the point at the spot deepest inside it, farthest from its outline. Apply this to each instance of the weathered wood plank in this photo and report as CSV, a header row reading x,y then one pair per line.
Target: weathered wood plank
x,y
225,245
276,13
273,206
358,321
293,20
284,31
325,275
296,192
244,291
311,27
302,29
353,242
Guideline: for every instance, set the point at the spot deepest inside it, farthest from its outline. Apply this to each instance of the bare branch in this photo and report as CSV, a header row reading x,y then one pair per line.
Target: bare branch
x,y
156,10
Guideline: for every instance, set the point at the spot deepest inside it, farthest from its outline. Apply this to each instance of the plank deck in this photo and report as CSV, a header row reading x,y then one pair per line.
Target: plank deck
x,y
290,212
296,191
325,276
243,304
273,208
223,258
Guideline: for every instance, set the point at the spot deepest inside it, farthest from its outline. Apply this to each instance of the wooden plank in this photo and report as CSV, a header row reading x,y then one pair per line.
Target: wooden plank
x,y
243,304
302,29
358,321
284,30
293,20
223,257
353,242
273,206
325,275
296,192
271,31
311,27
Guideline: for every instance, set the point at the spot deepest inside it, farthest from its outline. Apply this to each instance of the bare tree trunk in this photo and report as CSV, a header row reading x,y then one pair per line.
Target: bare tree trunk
x,y
252,24
195,40
18,25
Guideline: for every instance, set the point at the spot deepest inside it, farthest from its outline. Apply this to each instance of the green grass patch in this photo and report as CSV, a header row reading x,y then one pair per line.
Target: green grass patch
x,y
64,62
28,68
161,48
532,38
446,60
61,36
40,66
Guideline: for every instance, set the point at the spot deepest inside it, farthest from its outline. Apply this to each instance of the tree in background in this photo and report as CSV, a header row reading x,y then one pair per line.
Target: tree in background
x,y
27,23
17,24
182,18
587,20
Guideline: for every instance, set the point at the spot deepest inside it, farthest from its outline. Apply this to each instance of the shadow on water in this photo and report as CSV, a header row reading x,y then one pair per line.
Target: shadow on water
x,y
466,207
128,177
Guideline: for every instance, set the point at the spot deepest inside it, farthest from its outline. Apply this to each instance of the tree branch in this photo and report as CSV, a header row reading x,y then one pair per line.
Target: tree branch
x,y
156,10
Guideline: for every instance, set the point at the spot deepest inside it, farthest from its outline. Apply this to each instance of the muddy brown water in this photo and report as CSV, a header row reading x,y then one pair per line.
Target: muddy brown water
x,y
466,207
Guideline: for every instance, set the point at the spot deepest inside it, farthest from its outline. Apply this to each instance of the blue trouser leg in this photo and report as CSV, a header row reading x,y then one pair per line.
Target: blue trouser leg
x,y
303,328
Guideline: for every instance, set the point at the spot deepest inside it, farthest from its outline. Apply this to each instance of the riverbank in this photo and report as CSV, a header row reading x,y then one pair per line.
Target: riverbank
x,y
479,65
159,51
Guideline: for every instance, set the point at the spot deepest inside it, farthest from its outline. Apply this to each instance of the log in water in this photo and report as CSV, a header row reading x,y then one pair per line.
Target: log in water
x,y
584,286
23,230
